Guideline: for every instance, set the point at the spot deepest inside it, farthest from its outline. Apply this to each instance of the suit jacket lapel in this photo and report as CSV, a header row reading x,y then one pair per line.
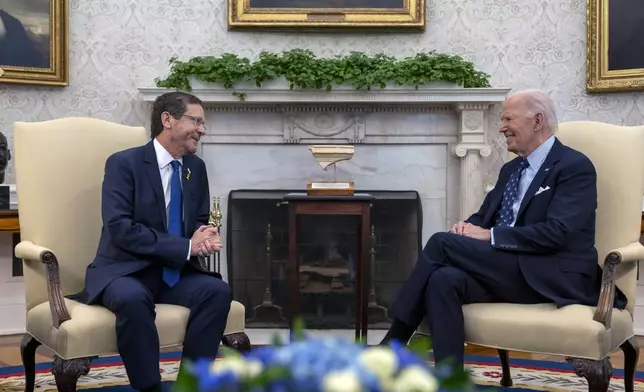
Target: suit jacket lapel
x,y
187,187
551,159
495,202
152,171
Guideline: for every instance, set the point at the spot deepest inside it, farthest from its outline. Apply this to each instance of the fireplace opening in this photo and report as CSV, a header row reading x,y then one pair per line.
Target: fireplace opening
x,y
258,252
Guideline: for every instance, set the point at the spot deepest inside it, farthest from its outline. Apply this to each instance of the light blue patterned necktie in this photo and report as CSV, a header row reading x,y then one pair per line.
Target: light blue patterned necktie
x,y
510,193
175,222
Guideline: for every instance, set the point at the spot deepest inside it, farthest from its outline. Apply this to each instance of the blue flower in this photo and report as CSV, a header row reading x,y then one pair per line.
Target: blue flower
x,y
209,381
308,365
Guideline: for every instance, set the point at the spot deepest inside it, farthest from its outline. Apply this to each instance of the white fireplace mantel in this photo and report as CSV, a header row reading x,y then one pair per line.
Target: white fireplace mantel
x,y
217,96
432,129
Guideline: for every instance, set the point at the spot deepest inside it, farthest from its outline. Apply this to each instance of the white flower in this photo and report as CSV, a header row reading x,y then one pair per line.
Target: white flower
x,y
253,368
341,381
415,379
238,366
381,361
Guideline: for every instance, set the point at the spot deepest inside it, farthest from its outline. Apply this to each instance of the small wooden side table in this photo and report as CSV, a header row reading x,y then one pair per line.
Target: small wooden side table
x,y
9,221
356,205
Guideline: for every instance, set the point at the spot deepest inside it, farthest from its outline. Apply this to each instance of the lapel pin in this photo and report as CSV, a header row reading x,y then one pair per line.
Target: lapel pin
x,y
188,172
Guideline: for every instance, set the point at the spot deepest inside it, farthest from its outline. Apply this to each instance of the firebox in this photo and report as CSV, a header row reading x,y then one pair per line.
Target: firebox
x,y
258,252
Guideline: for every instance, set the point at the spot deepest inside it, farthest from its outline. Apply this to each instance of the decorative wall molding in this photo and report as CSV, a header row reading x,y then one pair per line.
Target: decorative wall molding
x,y
334,125
297,108
463,96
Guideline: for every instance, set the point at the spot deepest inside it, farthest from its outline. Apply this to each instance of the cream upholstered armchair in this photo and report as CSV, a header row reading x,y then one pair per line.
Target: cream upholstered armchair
x,y
59,168
585,335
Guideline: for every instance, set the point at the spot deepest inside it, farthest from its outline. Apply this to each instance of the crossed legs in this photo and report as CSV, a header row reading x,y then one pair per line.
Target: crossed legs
x,y
451,271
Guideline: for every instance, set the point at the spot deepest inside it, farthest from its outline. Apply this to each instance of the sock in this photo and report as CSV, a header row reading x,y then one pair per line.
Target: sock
x,y
398,331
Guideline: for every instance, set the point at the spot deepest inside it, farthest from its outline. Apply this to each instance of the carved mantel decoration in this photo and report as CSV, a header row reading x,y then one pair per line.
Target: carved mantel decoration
x,y
455,117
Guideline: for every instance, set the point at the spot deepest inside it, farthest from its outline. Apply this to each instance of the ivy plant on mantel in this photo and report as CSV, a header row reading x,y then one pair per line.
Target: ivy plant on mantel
x,y
303,70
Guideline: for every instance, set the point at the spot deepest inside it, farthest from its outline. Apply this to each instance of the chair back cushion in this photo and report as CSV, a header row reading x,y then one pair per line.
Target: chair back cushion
x,y
618,155
59,166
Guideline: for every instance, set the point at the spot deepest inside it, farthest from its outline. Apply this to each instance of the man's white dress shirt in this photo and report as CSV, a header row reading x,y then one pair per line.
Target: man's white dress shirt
x,y
535,159
165,169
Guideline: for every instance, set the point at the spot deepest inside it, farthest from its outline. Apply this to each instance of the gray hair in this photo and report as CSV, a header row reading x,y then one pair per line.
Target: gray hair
x,y
539,102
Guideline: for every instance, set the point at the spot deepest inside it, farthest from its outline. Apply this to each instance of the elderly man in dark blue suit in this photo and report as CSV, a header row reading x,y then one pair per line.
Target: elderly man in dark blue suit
x,y
155,205
532,240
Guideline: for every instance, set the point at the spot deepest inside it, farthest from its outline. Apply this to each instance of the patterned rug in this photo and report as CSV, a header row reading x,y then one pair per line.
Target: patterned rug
x,y
108,375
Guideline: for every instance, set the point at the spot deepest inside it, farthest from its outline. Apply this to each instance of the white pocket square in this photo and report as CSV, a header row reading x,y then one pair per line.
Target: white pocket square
x,y
541,190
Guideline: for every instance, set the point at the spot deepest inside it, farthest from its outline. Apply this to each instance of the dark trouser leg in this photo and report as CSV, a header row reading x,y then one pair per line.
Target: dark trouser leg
x,y
208,299
497,272
447,290
136,333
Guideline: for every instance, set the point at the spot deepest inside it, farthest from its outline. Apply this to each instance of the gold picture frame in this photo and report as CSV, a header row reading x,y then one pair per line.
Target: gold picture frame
x,y
324,14
35,41
613,61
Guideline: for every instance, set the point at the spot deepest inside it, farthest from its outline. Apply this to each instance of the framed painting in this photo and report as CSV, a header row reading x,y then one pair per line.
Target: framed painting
x,y
321,14
34,42
615,48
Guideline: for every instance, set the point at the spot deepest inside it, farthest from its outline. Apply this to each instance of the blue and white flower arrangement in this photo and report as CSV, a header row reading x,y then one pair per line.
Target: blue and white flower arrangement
x,y
323,365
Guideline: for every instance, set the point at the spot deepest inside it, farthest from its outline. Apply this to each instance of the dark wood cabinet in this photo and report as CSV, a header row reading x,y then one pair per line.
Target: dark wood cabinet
x,y
328,259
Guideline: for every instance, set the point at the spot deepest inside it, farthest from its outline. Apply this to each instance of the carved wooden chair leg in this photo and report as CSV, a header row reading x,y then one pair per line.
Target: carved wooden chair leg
x,y
506,381
67,372
237,341
28,347
631,356
597,373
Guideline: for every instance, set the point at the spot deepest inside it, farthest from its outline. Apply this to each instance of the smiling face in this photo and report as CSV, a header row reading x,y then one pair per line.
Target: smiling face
x,y
524,131
181,135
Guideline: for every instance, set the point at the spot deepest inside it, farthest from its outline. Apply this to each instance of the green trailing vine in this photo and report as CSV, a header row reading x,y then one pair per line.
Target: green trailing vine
x,y
302,69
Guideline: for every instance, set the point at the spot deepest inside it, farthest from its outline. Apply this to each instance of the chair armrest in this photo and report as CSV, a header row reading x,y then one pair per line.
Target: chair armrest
x,y
629,253
29,251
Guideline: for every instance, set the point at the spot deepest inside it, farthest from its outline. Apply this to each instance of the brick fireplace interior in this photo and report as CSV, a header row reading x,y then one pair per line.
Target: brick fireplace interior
x,y
257,255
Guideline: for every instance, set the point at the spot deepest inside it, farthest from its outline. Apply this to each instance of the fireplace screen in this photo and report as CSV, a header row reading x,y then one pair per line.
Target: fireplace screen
x,y
257,255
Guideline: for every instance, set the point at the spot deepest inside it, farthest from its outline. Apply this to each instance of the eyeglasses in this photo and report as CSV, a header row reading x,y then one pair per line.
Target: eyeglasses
x,y
196,120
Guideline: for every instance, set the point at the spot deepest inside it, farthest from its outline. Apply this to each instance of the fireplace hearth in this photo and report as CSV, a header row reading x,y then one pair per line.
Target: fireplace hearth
x,y
258,251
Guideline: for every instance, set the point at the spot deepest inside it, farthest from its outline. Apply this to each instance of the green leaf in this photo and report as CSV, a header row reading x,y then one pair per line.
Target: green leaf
x,y
186,381
304,70
298,329
420,345
459,380
276,340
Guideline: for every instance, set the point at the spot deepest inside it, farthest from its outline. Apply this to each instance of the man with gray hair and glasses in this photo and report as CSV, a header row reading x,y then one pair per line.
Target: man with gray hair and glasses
x,y
532,241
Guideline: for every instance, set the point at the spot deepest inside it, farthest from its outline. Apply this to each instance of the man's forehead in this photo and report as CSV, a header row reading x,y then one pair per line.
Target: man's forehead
x,y
513,105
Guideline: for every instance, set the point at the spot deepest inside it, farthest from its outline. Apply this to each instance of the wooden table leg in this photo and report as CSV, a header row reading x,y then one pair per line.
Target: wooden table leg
x,y
359,278
292,270
366,266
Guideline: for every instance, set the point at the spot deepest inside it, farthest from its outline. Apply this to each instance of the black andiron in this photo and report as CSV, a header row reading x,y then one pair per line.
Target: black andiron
x,y
376,313
267,311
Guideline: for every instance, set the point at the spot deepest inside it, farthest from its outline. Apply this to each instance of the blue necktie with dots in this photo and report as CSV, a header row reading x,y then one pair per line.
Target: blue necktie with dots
x,y
505,216
175,221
